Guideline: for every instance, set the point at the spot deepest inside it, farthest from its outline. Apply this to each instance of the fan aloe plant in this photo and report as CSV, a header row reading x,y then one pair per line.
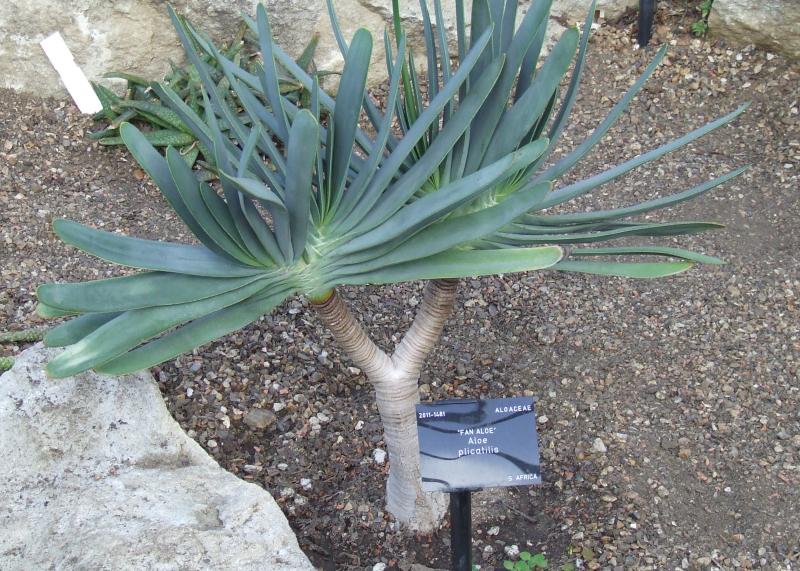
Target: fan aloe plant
x,y
305,206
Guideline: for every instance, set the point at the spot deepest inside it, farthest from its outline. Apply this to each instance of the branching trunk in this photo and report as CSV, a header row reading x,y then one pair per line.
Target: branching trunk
x,y
395,380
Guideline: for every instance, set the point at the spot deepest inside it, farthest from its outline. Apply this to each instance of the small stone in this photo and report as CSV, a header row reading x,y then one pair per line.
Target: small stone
x,y
379,567
512,550
305,483
494,530
259,418
283,466
599,446
662,492
359,425
546,335
379,456
287,492
669,443
212,443
684,453
543,420
278,406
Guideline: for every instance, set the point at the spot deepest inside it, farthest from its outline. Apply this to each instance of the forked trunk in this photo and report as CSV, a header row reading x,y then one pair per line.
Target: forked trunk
x,y
405,499
395,380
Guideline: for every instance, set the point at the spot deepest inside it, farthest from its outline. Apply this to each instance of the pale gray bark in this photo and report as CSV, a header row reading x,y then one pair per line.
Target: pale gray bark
x,y
395,380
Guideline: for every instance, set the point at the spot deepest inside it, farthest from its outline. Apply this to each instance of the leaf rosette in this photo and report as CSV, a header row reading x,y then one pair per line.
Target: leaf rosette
x,y
454,184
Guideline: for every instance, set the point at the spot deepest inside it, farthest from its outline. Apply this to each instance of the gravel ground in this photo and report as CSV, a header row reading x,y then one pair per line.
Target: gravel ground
x,y
669,410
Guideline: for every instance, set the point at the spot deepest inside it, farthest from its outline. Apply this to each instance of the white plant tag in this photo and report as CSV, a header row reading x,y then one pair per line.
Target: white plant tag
x,y
71,75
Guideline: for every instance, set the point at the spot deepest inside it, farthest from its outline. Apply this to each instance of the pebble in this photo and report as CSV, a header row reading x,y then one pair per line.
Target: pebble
x,y
599,446
511,551
259,418
379,456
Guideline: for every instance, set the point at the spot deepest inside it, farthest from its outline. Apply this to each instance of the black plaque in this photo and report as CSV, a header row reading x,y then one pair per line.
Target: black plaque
x,y
472,444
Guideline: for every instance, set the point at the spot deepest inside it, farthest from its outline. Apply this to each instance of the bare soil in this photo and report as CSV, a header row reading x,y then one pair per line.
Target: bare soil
x,y
691,383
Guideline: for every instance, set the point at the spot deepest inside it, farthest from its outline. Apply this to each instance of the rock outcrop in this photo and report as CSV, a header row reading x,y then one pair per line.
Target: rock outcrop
x,y
136,36
769,24
95,474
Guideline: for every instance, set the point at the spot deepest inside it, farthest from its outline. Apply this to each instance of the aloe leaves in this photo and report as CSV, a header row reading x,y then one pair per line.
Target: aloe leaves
x,y
146,289
301,158
348,108
194,334
133,327
640,270
306,202
498,129
463,263
150,254
433,206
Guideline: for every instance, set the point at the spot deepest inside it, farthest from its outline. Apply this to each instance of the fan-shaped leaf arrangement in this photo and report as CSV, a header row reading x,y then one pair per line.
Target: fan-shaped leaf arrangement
x,y
302,207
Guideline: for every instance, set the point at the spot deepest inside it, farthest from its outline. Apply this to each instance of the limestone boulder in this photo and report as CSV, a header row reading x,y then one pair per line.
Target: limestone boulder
x,y
125,35
770,24
97,475
136,36
574,11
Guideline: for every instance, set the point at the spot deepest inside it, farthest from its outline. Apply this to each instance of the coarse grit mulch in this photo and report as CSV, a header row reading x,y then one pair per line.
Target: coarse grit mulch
x,y
669,410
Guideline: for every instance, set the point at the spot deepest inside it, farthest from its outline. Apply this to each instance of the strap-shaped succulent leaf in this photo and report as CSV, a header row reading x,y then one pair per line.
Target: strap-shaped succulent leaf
x,y
307,199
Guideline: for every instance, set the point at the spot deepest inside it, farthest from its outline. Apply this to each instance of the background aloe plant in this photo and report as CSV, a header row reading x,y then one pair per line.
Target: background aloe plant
x,y
163,127
304,206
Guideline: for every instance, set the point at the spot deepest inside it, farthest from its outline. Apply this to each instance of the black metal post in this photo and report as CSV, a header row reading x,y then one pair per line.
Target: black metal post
x,y
461,530
647,10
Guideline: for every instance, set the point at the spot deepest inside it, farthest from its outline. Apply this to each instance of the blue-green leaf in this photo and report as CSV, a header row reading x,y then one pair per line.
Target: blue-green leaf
x,y
149,254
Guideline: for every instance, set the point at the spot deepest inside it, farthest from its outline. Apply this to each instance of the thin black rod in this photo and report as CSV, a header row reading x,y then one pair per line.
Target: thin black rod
x,y
647,10
461,530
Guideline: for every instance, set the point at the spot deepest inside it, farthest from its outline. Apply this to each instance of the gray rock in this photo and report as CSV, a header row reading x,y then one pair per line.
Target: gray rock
x,y
97,475
136,36
129,35
770,24
379,456
575,10
259,418
599,446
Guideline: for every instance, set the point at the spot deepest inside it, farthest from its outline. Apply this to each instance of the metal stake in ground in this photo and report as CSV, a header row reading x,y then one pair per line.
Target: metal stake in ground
x,y
461,530
647,9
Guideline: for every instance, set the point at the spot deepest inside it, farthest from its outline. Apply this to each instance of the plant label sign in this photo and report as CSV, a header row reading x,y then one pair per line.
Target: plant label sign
x,y
471,444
